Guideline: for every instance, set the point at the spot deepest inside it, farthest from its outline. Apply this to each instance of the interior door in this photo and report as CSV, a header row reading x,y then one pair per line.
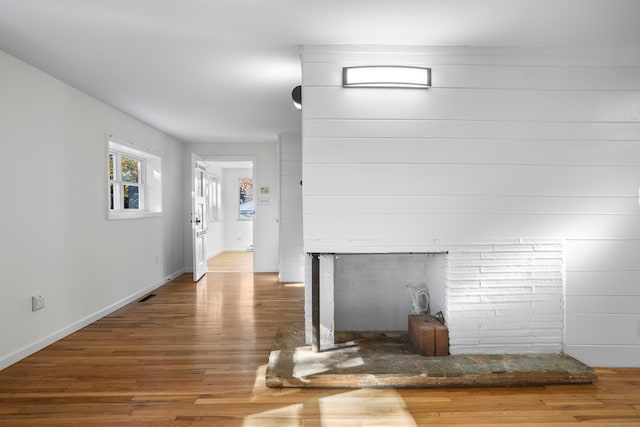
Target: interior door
x,y
199,217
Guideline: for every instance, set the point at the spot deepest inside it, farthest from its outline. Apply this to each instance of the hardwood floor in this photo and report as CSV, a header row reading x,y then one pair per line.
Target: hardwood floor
x,y
195,355
231,262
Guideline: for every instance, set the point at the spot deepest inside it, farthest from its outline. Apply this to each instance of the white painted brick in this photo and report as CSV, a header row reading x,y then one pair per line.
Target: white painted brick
x,y
519,269
458,288
470,248
547,317
493,276
520,262
547,307
496,325
510,301
548,247
513,248
548,325
462,256
520,255
464,269
553,282
556,262
472,313
509,293
503,296
551,333
522,283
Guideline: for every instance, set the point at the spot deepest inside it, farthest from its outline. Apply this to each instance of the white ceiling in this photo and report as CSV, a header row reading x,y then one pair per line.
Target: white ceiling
x,y
223,70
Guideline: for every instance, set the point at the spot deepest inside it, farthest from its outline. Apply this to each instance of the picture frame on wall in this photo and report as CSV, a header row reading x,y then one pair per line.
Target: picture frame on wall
x,y
246,206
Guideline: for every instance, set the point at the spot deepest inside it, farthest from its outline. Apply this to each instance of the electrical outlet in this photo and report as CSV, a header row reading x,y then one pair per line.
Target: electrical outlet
x,y
37,302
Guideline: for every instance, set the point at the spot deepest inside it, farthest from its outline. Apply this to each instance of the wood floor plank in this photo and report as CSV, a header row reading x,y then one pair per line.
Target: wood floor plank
x,y
195,355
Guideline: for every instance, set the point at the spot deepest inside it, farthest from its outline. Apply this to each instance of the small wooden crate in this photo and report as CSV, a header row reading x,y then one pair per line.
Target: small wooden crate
x,y
428,335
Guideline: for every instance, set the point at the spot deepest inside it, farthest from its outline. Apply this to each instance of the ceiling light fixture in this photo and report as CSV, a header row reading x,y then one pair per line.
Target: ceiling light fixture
x,y
387,76
296,95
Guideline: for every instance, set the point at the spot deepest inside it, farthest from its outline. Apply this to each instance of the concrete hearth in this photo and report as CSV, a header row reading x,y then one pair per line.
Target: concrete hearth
x,y
377,359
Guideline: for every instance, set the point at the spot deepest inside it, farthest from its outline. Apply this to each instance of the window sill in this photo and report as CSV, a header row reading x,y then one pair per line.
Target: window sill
x,y
133,215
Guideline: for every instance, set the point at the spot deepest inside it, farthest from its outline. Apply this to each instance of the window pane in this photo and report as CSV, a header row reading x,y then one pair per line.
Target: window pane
x,y
112,160
130,169
131,200
111,195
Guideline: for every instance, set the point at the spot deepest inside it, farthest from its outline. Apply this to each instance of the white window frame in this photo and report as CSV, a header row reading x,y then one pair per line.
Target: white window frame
x,y
212,194
149,181
118,183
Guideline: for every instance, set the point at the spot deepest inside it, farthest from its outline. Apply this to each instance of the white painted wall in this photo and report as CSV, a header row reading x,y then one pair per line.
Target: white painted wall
x,y
292,256
265,156
238,234
504,145
56,239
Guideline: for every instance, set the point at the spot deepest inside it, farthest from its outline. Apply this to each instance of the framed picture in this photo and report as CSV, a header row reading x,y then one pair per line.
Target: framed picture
x,y
245,196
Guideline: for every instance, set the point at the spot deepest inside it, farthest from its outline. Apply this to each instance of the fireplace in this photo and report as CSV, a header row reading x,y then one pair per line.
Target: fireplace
x,y
497,297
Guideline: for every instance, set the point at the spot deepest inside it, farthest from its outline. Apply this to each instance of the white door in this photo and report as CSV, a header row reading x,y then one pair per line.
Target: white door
x,y
199,217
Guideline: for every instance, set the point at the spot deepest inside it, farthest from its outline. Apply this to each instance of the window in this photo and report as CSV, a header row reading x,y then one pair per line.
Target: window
x,y
125,182
212,194
134,182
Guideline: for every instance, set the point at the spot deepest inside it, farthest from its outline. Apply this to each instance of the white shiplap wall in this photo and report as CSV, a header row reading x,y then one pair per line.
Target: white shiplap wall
x,y
292,256
532,145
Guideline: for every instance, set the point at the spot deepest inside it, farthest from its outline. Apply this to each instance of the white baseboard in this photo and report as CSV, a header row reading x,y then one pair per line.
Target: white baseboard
x,y
76,326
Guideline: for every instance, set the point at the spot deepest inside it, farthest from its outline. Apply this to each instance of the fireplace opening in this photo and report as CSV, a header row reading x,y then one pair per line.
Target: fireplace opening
x,y
377,291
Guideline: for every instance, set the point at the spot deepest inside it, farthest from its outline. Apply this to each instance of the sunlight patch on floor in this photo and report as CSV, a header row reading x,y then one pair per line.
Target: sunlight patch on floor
x,y
287,416
356,408
293,285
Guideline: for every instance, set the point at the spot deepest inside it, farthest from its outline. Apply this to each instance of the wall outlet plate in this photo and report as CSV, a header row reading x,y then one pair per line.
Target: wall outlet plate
x,y
37,302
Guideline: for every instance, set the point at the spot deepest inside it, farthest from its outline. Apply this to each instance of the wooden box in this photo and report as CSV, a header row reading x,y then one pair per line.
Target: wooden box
x,y
428,335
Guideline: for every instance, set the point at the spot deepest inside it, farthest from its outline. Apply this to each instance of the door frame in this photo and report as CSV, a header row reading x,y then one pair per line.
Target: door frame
x,y
254,173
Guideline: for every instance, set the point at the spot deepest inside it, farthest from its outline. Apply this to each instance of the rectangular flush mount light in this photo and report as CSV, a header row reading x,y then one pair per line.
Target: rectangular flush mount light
x,y
386,76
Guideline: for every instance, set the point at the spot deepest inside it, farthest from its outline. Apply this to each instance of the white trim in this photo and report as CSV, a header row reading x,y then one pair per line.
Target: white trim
x,y
134,148
150,195
133,215
28,350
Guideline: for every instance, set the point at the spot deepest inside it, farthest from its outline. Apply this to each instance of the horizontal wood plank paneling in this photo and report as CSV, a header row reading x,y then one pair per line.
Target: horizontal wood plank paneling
x,y
451,179
471,151
603,255
604,329
470,225
599,304
523,145
471,104
471,129
290,222
605,355
476,204
603,283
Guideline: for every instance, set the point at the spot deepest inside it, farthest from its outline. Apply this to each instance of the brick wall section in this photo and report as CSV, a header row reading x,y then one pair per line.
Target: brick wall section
x,y
506,297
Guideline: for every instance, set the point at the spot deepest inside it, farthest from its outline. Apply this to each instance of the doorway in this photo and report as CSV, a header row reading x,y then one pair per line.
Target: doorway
x,y
232,210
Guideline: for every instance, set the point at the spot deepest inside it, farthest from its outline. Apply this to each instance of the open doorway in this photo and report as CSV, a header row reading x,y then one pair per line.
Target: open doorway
x,y
231,212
